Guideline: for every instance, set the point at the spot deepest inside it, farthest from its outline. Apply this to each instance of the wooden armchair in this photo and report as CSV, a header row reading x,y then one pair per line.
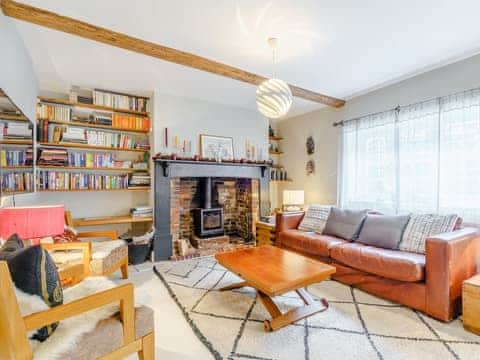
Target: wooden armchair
x,y
103,257
137,335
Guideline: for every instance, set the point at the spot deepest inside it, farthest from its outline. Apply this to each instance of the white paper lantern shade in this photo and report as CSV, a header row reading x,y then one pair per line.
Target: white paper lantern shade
x,y
274,98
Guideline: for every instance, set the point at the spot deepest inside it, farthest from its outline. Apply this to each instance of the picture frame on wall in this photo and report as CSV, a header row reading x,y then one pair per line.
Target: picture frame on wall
x,y
216,147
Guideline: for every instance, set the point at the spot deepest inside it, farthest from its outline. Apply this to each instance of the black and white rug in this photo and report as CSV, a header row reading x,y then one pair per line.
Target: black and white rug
x,y
356,326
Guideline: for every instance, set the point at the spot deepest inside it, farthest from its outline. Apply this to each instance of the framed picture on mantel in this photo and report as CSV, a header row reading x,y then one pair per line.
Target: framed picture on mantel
x,y
216,147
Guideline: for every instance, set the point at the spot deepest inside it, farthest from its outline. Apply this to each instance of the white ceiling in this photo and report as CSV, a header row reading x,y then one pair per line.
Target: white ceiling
x,y
337,47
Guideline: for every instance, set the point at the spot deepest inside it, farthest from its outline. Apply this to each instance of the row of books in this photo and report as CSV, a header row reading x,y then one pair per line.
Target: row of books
x,y
141,211
117,101
54,112
129,122
139,179
15,131
54,180
16,157
16,182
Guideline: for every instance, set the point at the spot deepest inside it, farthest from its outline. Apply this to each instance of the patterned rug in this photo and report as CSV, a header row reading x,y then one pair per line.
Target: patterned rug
x,y
356,326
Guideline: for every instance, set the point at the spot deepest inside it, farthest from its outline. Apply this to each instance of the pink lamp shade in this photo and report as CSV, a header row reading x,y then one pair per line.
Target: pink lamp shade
x,y
32,222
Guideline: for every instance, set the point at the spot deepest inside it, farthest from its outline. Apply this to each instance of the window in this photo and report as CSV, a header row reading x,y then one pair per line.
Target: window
x,y
418,158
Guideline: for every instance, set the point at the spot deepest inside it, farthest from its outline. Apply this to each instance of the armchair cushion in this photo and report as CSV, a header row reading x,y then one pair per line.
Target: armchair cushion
x,y
105,254
108,336
69,235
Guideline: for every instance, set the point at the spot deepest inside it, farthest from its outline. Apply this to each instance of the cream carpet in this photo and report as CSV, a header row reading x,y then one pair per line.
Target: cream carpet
x,y
356,326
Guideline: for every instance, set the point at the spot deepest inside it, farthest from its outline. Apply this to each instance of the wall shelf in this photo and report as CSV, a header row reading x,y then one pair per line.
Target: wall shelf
x,y
13,117
271,152
96,126
16,142
138,188
91,147
127,219
91,106
275,138
82,168
17,167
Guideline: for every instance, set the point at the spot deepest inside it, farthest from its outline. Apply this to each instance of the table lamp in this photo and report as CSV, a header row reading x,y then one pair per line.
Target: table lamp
x,y
293,200
32,222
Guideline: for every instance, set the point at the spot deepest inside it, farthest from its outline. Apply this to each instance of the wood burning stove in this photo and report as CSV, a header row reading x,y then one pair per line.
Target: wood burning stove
x,y
208,221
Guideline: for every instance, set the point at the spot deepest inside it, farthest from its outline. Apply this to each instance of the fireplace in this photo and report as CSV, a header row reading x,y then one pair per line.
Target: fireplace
x,y
207,221
207,204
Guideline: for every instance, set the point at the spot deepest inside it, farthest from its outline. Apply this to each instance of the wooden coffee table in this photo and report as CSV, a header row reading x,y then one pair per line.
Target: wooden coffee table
x,y
273,271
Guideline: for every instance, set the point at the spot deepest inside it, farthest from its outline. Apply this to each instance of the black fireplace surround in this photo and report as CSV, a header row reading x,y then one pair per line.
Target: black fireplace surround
x,y
166,170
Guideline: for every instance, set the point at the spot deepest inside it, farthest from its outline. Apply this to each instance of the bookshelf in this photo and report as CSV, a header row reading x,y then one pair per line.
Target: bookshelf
x,y
83,146
16,149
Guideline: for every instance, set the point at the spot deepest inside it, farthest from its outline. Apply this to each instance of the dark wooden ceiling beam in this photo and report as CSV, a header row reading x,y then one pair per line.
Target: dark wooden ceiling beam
x,y
88,31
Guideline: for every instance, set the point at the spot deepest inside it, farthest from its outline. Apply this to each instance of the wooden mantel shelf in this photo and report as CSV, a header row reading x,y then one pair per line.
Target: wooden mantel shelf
x,y
166,163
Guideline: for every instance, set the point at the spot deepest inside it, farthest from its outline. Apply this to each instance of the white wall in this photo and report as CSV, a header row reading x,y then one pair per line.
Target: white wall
x,y
187,118
17,77
322,187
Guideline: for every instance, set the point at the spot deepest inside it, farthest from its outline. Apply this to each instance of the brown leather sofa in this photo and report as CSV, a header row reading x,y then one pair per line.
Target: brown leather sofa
x,y
431,283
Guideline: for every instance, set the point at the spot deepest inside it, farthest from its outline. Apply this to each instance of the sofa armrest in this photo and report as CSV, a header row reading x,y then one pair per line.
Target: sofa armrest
x,y
450,259
289,220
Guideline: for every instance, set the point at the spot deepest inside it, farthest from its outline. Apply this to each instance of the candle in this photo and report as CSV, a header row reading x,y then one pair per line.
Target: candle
x,y
166,137
176,142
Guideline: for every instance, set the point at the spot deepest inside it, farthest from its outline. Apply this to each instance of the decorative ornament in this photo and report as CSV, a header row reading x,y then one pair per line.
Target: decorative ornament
x,y
310,144
310,167
274,97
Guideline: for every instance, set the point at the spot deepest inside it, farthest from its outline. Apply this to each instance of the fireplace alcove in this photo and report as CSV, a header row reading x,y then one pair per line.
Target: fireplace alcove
x,y
167,171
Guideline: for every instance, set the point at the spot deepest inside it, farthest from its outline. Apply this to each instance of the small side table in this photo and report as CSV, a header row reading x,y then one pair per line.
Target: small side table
x,y
471,304
265,233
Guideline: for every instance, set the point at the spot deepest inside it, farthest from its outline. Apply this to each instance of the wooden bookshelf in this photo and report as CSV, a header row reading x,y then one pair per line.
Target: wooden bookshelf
x,y
17,167
16,142
13,117
127,219
91,147
84,168
138,188
96,126
91,106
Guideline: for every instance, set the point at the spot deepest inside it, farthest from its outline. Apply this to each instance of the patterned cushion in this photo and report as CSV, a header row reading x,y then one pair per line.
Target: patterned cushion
x,y
69,235
421,226
315,218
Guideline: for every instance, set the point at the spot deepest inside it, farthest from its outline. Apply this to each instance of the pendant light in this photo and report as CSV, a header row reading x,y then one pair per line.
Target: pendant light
x,y
274,97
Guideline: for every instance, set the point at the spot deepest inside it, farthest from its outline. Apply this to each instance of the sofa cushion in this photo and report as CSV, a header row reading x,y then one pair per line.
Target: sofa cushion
x,y
383,231
345,224
422,226
392,264
315,218
13,245
308,242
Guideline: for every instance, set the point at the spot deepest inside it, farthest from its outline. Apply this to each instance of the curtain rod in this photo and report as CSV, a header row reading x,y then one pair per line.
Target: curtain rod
x,y
398,107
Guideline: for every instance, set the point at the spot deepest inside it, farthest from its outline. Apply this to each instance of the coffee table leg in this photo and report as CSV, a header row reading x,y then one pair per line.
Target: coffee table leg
x,y
234,286
280,320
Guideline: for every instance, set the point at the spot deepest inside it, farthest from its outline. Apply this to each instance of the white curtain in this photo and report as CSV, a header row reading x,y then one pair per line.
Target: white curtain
x,y
419,158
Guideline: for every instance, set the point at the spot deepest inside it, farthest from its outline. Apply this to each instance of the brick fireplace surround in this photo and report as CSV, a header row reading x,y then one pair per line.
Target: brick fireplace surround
x,y
240,189
239,199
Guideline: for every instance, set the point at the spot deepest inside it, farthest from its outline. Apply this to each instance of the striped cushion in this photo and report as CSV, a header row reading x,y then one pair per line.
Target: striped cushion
x,y
315,218
422,226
